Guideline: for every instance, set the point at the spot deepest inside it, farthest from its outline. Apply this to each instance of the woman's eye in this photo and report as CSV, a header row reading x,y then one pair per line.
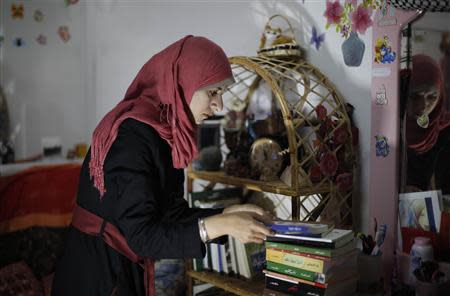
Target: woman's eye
x,y
213,93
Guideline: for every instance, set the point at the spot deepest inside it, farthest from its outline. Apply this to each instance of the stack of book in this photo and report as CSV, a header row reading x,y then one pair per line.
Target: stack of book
x,y
310,259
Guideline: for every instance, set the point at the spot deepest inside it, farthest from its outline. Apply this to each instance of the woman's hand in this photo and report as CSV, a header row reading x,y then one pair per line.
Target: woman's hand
x,y
245,226
265,216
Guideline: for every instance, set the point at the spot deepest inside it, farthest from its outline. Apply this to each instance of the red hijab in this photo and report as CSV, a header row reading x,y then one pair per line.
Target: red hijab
x,y
426,72
159,96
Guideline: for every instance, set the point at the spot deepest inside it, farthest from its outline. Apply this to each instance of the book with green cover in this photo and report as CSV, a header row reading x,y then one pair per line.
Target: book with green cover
x,y
325,252
297,272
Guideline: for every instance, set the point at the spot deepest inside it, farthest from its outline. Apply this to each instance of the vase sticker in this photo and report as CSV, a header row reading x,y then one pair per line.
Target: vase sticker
x,y
383,51
381,146
380,98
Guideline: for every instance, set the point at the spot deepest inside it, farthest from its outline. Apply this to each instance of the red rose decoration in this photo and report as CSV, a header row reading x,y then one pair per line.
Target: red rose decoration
x,y
344,181
314,174
355,135
328,164
321,112
340,135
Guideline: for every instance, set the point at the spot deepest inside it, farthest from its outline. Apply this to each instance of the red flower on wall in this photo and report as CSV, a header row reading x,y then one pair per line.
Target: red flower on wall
x,y
344,181
333,12
328,164
321,112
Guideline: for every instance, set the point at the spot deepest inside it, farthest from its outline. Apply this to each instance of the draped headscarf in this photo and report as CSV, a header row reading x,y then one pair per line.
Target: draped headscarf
x,y
427,73
160,96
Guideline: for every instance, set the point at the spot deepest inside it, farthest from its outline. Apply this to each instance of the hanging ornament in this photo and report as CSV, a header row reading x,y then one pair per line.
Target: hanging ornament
x,y
64,34
423,121
38,16
41,39
17,11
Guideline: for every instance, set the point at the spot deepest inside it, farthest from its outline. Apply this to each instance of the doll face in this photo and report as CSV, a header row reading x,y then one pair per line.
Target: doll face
x,y
206,101
423,101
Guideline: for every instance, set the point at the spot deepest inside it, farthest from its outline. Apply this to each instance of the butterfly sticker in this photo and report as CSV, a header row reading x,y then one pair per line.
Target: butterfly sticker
x,y
316,39
64,34
41,39
17,11
38,16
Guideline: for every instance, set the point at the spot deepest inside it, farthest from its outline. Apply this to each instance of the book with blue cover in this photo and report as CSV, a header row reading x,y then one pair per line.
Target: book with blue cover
x,y
297,227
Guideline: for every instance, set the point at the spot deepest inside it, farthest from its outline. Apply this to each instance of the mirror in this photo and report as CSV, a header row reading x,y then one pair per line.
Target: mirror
x,y
425,104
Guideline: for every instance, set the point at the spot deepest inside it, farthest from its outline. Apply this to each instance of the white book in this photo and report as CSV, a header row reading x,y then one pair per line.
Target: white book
x,y
421,210
224,262
232,247
215,257
244,268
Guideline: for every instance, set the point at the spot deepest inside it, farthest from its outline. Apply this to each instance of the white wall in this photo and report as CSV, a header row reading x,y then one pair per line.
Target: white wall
x,y
113,38
44,85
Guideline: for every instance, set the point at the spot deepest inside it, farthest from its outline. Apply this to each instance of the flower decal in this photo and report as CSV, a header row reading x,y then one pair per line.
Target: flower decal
x,y
361,19
333,12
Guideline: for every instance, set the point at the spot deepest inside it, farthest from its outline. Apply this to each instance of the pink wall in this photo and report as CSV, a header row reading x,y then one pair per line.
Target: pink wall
x,y
385,121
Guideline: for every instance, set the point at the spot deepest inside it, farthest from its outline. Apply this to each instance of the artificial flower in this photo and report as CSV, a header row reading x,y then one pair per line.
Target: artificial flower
x,y
361,19
328,164
333,12
314,174
344,181
321,112
340,135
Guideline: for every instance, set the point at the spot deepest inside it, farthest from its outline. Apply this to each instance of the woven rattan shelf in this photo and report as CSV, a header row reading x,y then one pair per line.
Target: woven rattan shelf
x,y
273,187
230,284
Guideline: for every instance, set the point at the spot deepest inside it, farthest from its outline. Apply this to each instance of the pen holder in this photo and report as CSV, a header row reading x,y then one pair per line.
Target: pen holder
x,y
432,289
370,273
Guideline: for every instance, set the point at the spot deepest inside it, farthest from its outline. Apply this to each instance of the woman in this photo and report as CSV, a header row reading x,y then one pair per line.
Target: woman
x,y
130,208
427,128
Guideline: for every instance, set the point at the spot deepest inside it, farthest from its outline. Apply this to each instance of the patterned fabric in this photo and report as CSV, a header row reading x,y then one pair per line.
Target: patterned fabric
x,y
18,280
427,5
39,247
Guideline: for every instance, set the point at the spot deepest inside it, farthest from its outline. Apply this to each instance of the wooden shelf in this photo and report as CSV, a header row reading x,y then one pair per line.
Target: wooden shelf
x,y
228,283
273,186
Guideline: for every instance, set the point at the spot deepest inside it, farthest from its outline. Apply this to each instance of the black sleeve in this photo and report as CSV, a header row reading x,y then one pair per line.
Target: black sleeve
x,y
181,211
133,183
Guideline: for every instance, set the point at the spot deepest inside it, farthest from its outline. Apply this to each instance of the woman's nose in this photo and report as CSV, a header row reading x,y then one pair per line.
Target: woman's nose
x,y
217,104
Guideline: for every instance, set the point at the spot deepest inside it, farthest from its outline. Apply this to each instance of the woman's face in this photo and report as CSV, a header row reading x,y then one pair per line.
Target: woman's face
x,y
423,101
205,102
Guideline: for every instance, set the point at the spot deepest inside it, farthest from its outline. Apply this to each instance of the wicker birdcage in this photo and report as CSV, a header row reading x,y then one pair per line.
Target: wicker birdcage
x,y
316,124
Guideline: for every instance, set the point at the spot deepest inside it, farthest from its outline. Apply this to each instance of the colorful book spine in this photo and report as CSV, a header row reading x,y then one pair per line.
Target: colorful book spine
x,y
293,288
300,249
296,272
295,260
